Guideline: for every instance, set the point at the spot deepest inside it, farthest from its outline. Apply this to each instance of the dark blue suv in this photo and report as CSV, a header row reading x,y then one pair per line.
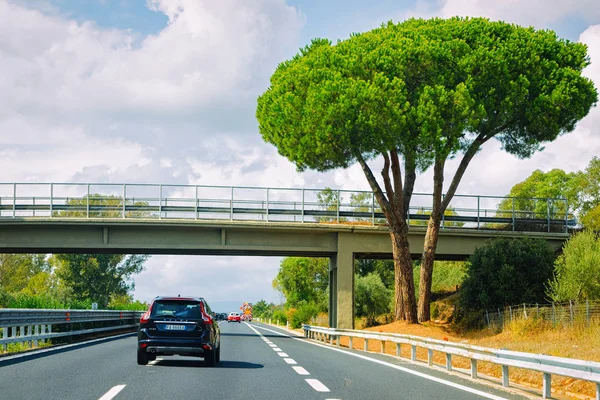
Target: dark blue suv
x,y
179,326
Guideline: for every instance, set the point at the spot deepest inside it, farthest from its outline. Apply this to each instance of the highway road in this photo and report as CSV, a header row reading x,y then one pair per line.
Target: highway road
x,y
257,362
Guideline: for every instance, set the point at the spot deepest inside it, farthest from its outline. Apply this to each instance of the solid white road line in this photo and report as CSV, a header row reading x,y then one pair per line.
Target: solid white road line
x,y
317,385
290,361
300,370
282,354
112,392
397,367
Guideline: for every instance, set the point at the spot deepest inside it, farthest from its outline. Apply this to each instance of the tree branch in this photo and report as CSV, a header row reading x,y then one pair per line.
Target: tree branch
x,y
467,157
385,173
379,195
397,175
410,176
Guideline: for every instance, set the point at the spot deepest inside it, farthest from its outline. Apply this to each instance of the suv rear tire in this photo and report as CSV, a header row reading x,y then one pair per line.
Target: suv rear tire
x,y
210,358
142,357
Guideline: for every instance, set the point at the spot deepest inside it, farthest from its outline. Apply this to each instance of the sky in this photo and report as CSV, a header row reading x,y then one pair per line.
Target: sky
x,y
164,91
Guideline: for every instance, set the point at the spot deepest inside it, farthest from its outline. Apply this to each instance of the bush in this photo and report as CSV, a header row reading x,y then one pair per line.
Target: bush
x,y
303,314
279,316
507,271
371,297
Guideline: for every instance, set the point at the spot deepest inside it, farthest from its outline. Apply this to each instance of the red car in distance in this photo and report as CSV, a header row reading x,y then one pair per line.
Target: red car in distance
x,y
234,317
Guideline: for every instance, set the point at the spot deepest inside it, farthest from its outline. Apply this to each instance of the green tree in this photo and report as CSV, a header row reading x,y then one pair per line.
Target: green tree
x,y
329,200
528,198
303,279
17,269
101,206
260,308
371,297
383,268
424,91
449,211
97,277
506,272
577,269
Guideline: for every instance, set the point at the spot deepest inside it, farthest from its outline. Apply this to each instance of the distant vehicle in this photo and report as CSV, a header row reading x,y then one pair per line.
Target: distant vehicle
x,y
234,317
179,326
246,312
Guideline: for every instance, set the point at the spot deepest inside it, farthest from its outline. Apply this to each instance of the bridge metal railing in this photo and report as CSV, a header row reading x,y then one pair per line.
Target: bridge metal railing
x,y
547,365
32,326
129,201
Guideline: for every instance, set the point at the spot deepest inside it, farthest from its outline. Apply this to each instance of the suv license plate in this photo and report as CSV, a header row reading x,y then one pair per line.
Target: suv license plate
x,y
175,327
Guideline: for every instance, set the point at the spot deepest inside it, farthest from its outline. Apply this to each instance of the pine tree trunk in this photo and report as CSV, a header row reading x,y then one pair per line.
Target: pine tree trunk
x,y
426,275
403,273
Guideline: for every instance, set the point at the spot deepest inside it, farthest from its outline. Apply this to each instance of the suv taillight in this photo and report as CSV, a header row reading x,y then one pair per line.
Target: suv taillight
x,y
207,319
146,316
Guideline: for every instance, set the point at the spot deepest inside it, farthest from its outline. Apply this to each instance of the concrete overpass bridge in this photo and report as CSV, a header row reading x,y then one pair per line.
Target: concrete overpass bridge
x,y
199,220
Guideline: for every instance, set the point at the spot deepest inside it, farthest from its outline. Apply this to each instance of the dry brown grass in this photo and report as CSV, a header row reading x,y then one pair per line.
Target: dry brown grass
x,y
578,342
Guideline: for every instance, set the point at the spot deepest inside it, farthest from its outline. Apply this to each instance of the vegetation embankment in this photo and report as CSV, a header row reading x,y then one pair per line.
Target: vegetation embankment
x,y
67,281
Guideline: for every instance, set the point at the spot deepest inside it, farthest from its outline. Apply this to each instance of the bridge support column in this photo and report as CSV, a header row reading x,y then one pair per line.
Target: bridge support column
x,y
341,286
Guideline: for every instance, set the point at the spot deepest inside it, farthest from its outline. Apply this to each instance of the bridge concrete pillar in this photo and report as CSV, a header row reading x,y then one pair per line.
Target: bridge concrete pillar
x,y
341,285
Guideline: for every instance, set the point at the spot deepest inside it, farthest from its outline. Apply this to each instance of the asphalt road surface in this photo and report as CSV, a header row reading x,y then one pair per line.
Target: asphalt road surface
x,y
257,362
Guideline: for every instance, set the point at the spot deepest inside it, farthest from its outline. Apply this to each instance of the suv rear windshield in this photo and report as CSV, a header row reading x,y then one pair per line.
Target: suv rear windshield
x,y
176,308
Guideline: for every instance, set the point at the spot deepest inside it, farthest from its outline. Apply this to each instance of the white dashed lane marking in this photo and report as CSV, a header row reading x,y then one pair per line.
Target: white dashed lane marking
x,y
300,370
314,383
317,385
112,392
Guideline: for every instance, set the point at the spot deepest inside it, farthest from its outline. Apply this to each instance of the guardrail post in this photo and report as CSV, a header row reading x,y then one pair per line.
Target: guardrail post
x,y
382,347
430,357
373,208
513,214
413,353
43,333
87,211
267,204
473,368
331,339
597,391
14,199
505,375
124,197
231,205
398,352
546,388
478,201
196,204
159,201
51,197
338,206
337,340
350,342
302,216
4,336
366,348
449,361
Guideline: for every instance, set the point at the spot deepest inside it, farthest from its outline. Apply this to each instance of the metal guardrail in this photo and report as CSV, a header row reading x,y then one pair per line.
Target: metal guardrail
x,y
97,200
30,326
547,365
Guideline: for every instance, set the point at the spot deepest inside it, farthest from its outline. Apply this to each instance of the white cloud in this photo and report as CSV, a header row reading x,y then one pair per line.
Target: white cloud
x,y
538,13
218,279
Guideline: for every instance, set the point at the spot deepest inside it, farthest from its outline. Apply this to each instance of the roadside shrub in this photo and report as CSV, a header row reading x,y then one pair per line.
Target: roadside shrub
x,y
505,272
303,315
279,316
